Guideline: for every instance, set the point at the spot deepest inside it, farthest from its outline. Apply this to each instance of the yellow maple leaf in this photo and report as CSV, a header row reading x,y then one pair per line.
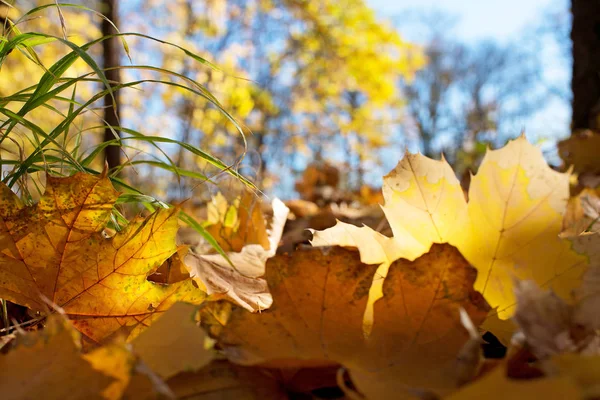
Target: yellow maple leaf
x,y
56,250
515,210
508,229
316,319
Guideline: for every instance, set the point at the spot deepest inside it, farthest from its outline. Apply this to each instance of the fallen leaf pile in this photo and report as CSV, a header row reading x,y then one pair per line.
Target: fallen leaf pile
x,y
357,315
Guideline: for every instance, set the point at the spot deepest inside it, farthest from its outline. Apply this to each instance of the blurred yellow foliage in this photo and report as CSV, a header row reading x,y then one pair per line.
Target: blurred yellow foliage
x,y
21,72
298,71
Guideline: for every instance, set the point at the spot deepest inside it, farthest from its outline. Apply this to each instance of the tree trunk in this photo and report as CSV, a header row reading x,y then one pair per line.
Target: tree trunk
x,y
585,34
112,58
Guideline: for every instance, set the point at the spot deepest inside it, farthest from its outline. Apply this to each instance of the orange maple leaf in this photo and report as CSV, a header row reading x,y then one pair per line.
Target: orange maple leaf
x,y
316,319
56,250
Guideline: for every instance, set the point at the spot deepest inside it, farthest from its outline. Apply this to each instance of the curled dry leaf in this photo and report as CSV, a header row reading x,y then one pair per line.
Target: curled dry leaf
x,y
243,284
56,249
590,202
544,320
551,326
508,229
316,319
583,213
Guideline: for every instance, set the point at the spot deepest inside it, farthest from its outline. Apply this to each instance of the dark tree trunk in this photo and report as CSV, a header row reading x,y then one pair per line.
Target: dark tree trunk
x,y
585,34
112,58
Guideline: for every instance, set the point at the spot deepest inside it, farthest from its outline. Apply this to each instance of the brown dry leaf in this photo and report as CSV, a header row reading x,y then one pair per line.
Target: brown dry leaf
x,y
56,249
48,364
302,208
546,321
549,325
142,388
583,213
588,296
221,380
581,151
174,343
590,203
244,284
316,319
318,183
146,385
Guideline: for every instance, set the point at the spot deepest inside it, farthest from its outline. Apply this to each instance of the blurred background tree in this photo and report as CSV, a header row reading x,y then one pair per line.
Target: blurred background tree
x,y
22,70
468,95
111,60
320,83
307,78
582,149
585,36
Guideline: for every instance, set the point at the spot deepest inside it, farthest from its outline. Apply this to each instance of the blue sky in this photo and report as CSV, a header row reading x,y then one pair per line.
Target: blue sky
x,y
478,18
505,21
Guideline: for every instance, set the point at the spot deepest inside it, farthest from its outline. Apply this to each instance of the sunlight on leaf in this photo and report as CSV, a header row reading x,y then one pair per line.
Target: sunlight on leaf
x,y
56,249
319,298
508,229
